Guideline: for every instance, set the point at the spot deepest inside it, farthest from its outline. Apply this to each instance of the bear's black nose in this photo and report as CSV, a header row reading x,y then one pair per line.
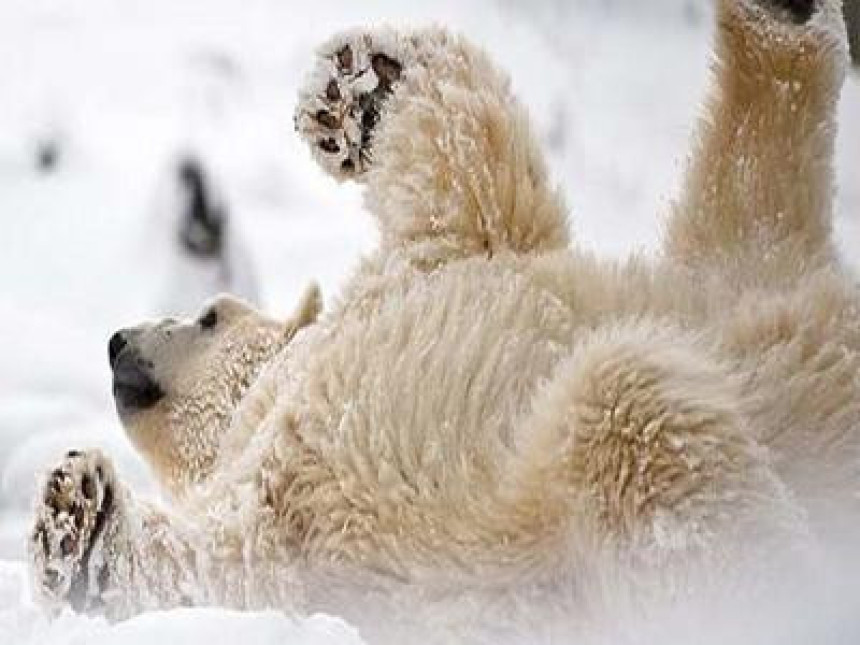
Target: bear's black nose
x,y
116,344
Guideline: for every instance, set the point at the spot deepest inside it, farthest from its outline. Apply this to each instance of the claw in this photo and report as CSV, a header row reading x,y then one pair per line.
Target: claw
x,y
345,60
88,487
332,91
327,119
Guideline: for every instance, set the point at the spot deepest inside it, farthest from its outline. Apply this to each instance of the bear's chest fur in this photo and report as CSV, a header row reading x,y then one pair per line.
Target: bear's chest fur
x,y
431,380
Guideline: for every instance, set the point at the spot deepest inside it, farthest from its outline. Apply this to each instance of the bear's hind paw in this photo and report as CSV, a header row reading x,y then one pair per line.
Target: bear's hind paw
x,y
796,11
342,102
788,16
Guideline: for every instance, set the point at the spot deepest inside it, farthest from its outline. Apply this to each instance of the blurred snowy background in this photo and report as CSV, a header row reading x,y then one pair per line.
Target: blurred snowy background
x,y
100,99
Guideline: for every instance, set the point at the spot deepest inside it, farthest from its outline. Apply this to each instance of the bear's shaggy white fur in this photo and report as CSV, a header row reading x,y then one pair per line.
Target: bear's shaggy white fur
x,y
487,416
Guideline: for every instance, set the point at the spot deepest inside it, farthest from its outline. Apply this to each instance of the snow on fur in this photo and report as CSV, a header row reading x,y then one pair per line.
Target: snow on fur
x,y
637,294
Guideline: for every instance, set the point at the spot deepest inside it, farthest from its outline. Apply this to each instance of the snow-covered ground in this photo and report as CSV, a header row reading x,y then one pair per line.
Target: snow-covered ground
x,y
123,87
23,624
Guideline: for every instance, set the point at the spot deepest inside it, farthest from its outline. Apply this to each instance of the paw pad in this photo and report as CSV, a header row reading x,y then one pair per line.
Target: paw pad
x,y
797,12
342,105
76,503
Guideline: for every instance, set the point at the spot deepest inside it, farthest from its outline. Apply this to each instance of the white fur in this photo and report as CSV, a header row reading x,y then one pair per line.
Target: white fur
x,y
488,431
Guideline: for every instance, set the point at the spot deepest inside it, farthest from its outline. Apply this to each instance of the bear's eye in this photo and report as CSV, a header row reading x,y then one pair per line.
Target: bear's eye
x,y
209,319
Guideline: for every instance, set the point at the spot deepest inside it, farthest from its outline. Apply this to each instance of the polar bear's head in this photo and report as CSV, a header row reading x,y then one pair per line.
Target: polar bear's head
x,y
177,383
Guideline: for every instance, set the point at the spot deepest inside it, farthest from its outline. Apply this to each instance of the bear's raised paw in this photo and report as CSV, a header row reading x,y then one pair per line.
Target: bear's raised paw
x,y
77,502
342,102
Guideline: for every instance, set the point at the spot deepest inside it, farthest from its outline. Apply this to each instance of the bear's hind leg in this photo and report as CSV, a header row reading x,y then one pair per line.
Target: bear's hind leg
x,y
638,446
757,196
447,153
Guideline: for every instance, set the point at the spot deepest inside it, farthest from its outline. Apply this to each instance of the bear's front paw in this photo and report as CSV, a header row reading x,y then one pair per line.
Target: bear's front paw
x,y
342,102
78,501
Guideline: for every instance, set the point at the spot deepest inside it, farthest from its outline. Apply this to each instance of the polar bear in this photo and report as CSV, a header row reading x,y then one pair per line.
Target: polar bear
x,y
487,413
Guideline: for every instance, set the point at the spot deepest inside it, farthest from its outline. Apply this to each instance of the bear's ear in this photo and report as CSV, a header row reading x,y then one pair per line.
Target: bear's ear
x,y
305,313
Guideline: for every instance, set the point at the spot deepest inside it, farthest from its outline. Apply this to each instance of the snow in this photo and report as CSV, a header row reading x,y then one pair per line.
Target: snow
x,y
614,87
24,624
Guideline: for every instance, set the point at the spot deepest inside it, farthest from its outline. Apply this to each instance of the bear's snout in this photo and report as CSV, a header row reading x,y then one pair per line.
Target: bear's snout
x,y
134,386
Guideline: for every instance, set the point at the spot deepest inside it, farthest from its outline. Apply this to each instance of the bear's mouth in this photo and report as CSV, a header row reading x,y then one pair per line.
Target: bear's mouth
x,y
134,388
